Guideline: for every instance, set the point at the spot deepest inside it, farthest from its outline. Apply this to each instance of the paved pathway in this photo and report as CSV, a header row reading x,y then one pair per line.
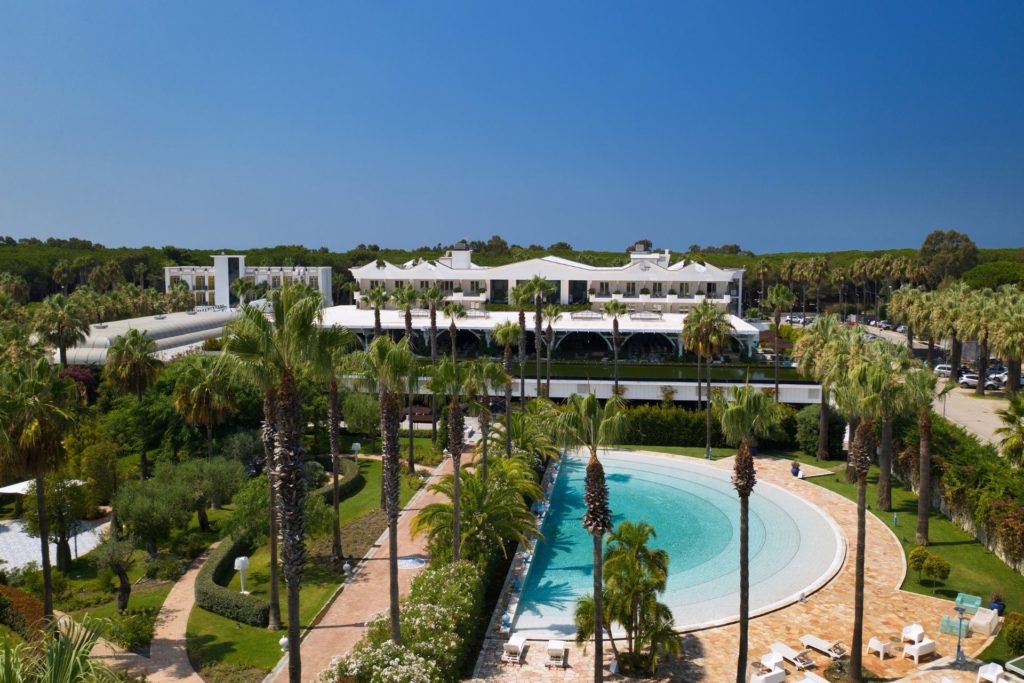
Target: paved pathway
x,y
976,415
366,594
710,655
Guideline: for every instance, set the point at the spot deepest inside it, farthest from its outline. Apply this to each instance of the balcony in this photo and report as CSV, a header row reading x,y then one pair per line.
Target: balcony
x,y
467,297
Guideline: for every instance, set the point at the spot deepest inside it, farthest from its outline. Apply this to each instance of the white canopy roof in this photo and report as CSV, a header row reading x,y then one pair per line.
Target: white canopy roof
x,y
22,487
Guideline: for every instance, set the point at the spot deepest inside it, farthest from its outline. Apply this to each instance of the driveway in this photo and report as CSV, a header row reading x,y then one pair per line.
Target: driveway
x,y
976,415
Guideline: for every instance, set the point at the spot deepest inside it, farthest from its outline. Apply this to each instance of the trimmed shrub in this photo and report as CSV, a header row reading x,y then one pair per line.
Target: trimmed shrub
x,y
21,611
807,431
385,661
133,630
352,481
654,425
1013,627
212,596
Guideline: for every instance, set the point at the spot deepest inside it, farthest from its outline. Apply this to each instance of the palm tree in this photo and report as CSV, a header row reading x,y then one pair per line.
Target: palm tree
x,y
1008,335
62,323
779,297
493,509
530,432
330,364
521,297
506,334
540,288
616,308
583,423
36,407
451,379
405,298
951,319
454,311
132,364
385,367
704,329
978,323
482,377
376,299
749,414
431,298
552,313
202,394
632,570
811,353
762,269
1012,431
282,348
890,362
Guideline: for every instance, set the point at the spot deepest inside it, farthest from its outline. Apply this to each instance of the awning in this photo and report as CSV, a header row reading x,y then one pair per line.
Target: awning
x,y
21,488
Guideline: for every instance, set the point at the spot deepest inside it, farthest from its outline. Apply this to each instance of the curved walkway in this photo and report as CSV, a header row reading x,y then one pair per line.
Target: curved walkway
x,y
710,655
366,594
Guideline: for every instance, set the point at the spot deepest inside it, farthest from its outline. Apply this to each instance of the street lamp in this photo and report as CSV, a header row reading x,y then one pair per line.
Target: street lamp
x,y
355,450
241,564
960,659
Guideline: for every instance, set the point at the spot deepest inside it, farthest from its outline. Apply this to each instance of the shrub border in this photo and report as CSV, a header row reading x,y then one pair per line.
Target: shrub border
x,y
215,598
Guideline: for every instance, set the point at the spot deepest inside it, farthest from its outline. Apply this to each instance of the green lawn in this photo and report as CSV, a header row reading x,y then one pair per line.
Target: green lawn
x,y
424,451
690,451
368,497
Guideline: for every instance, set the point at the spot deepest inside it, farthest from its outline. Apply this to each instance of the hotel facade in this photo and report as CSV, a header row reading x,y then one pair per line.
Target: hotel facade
x,y
211,285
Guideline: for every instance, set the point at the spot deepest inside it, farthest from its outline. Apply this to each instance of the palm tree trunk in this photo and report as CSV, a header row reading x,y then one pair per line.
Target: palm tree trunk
x,y
291,491
741,652
485,429
707,413
910,341
924,476
389,483
143,462
931,353
598,613
274,621
453,333
822,452
615,351
63,351
376,322
44,545
332,437
857,642
537,330
433,362
700,394
1013,376
884,501
775,358
522,360
982,365
507,364
551,339
209,438
956,350
455,434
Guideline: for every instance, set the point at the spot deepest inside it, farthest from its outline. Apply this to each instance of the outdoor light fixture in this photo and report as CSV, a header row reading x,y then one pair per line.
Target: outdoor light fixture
x,y
960,659
355,449
241,564
283,642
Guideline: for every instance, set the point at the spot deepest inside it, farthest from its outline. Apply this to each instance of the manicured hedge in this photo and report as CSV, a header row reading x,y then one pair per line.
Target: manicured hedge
x,y
212,596
21,611
807,431
352,481
655,425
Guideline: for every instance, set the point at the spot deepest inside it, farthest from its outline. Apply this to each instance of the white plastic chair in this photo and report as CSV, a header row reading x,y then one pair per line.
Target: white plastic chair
x,y
991,672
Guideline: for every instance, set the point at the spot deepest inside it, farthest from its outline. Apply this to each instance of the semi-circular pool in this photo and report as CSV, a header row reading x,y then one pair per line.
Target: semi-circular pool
x,y
794,548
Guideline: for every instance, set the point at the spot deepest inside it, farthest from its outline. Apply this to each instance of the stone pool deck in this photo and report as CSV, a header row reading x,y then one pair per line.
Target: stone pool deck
x,y
710,655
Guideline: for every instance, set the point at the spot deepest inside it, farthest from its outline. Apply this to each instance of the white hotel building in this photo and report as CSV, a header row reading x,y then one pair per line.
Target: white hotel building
x,y
212,284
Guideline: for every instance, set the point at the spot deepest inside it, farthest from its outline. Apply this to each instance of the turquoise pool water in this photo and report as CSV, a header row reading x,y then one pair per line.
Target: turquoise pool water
x,y
695,512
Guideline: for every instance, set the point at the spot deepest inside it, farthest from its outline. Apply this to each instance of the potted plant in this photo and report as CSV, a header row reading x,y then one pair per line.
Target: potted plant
x,y
457,290
645,291
672,292
592,291
997,602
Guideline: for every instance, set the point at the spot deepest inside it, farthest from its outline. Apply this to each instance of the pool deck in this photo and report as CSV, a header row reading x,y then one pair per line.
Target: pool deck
x,y
710,654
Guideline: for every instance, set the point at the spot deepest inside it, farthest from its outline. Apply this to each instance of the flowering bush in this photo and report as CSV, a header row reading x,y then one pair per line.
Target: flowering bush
x,y
383,663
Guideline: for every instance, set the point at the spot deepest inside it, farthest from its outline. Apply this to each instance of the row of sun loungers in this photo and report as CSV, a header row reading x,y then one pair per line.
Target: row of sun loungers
x,y
515,649
771,668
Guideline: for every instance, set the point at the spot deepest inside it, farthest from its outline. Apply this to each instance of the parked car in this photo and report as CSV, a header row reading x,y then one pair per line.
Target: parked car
x,y
902,329
970,381
944,370
884,325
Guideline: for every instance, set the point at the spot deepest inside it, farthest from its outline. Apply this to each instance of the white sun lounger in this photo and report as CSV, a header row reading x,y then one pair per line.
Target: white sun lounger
x,y
798,659
833,648
811,678
513,649
556,653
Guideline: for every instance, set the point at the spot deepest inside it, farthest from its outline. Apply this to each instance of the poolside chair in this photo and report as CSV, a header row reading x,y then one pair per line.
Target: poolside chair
x,y
882,647
990,672
513,650
969,602
772,660
914,633
798,659
832,648
812,678
952,626
918,650
556,653
985,621
774,675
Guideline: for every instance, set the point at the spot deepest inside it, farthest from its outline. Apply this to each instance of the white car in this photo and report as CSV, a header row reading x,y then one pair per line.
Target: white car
x,y
944,370
970,381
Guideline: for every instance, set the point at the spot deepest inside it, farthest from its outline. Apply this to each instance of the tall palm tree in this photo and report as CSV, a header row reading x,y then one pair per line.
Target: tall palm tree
x,y
507,334
978,324
521,297
36,409
890,363
454,311
62,323
779,297
749,414
451,379
330,364
132,364
385,367
1008,335
843,354
540,287
614,309
202,394
811,353
1011,432
705,329
377,299
583,423
920,395
552,314
431,298
405,298
838,278
951,318
482,377
281,347
762,269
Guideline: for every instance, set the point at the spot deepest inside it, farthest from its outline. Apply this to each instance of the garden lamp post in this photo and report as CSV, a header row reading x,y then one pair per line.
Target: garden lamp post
x,y
960,659
355,450
241,564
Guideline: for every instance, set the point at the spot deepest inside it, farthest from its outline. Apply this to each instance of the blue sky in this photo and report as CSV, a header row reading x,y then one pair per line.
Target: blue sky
x,y
775,125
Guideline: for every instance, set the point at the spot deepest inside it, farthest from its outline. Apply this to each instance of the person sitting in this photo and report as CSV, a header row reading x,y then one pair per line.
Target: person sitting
x,y
795,470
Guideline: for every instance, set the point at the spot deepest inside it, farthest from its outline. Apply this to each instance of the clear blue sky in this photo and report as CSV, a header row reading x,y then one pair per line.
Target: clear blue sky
x,y
775,125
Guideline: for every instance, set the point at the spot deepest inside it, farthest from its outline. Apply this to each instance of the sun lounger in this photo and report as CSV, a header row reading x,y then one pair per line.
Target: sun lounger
x,y
990,672
882,647
918,650
812,678
513,649
774,675
914,633
772,660
798,659
969,602
556,653
832,648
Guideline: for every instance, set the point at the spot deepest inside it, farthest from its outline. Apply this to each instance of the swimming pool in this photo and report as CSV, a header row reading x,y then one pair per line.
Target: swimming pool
x,y
694,509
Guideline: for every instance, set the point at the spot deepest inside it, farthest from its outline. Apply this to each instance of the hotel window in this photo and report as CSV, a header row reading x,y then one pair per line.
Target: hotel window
x,y
200,282
374,284
399,283
314,281
175,279
602,288
288,279
275,281
656,288
210,281
712,288
424,285
474,287
684,288
446,286
630,289
200,298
